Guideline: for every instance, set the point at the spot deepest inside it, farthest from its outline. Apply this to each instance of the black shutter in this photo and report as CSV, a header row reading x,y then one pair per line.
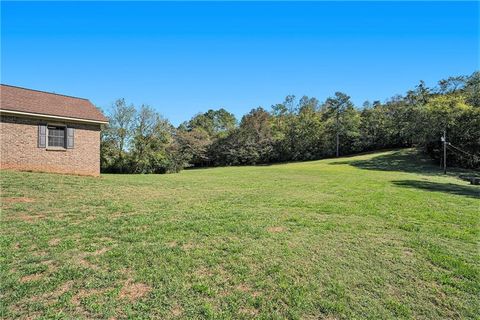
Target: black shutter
x,y
70,138
42,136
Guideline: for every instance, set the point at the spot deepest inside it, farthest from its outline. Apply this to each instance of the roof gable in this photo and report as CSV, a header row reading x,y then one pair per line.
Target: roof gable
x,y
48,104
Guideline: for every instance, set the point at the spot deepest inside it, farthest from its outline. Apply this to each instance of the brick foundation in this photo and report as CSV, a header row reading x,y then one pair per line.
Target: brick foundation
x,y
19,148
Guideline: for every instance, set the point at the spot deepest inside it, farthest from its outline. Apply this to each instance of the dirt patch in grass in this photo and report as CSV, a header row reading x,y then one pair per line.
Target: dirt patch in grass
x,y
100,251
188,246
275,229
86,264
49,298
203,272
36,252
31,277
408,252
54,241
248,311
81,258
134,290
62,289
243,288
247,289
30,218
176,311
17,200
52,265
171,244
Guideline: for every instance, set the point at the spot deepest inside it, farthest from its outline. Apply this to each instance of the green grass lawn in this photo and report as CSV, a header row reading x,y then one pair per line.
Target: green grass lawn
x,y
383,235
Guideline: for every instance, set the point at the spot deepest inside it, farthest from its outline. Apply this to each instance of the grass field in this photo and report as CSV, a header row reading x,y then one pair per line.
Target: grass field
x,y
383,235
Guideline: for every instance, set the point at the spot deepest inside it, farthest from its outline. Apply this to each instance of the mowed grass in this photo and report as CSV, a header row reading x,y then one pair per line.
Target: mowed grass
x,y
382,235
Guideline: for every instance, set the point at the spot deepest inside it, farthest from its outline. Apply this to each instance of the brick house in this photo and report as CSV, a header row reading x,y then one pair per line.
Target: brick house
x,y
42,131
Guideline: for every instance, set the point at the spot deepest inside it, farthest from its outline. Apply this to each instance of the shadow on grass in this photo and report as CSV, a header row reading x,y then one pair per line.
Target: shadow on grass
x,y
405,160
450,188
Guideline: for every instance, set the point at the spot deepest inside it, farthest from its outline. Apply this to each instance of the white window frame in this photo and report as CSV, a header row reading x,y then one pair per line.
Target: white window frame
x,y
64,147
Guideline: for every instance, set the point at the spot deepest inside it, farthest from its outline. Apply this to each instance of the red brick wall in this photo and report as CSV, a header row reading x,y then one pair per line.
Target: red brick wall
x,y
19,148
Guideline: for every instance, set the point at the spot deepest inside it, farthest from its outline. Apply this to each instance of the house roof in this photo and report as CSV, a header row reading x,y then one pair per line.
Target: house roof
x,y
43,103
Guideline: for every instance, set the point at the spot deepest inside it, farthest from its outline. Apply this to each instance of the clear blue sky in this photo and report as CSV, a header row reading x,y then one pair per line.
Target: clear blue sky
x,y
186,57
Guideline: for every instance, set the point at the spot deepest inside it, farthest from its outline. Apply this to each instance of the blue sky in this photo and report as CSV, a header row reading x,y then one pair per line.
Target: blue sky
x,y
186,57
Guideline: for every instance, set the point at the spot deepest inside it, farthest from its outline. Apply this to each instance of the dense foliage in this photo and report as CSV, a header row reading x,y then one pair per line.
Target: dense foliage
x,y
139,140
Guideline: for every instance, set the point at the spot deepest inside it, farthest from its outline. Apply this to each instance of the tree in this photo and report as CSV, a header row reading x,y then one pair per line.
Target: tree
x,y
441,113
194,144
373,127
213,122
152,136
282,119
138,141
338,108
419,96
306,130
472,89
196,136
461,121
251,143
117,136
451,84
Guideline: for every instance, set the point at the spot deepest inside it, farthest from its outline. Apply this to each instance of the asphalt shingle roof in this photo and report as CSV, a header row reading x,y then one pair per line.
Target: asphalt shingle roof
x,y
46,103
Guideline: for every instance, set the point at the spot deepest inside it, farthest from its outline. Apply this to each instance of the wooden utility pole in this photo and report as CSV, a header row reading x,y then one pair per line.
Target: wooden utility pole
x,y
338,142
444,139
338,133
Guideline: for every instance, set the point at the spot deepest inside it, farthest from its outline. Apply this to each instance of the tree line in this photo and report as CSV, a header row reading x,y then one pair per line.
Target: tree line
x,y
140,140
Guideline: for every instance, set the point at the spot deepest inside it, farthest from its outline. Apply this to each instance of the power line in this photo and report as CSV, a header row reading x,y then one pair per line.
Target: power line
x,y
468,153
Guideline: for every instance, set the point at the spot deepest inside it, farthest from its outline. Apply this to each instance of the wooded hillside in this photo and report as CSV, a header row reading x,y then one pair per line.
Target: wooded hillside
x,y
140,140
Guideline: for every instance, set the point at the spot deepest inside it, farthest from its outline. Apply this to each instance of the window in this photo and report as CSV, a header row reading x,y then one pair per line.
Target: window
x,y
56,137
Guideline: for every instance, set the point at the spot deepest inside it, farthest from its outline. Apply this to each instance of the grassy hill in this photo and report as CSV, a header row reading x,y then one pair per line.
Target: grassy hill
x,y
382,235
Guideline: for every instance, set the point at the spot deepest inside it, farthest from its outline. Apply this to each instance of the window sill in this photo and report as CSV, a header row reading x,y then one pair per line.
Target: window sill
x,y
56,149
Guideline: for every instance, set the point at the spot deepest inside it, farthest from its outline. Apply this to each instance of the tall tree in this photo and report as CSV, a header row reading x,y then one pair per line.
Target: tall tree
x,y
194,145
451,84
251,143
118,135
213,122
337,108
472,89
307,130
152,136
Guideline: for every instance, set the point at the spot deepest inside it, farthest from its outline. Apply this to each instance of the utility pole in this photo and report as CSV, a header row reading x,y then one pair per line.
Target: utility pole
x,y
444,139
338,133
338,153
